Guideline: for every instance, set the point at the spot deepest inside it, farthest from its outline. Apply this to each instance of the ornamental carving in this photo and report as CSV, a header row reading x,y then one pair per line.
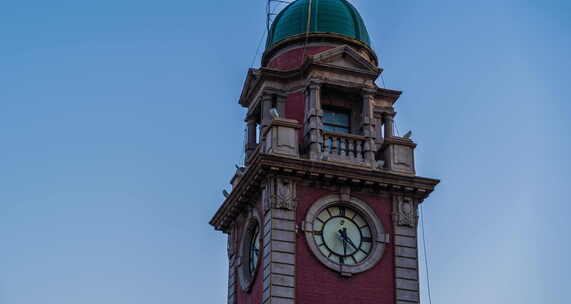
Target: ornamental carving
x,y
406,211
279,193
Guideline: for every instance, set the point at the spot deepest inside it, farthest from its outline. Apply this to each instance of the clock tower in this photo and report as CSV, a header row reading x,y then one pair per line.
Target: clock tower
x,y
325,209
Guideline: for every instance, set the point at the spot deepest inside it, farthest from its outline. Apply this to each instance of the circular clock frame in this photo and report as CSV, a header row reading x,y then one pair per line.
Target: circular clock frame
x,y
252,233
367,213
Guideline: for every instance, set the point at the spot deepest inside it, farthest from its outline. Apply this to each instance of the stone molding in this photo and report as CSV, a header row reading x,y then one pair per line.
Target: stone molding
x,y
263,165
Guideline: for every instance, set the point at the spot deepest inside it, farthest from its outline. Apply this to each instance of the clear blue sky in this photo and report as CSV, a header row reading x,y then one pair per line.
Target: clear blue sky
x,y
119,127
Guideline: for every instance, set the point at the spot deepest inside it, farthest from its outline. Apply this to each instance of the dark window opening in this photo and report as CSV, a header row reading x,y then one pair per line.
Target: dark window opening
x,y
336,121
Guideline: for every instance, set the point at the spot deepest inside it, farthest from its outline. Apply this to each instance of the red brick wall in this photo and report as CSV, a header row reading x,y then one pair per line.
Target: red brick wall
x,y
293,59
295,109
295,104
318,284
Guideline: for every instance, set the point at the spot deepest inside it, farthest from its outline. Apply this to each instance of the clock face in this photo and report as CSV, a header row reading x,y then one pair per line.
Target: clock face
x,y
254,250
342,235
250,251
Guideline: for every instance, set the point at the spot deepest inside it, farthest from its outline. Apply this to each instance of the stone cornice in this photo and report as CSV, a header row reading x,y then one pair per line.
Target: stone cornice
x,y
262,165
399,140
316,63
256,78
392,95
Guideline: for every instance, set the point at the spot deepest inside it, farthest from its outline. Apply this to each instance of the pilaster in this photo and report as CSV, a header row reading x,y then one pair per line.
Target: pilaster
x,y
313,121
367,118
279,201
267,104
251,143
388,119
406,250
281,100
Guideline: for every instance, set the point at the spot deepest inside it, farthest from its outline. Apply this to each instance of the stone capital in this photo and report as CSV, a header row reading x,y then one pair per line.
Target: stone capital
x,y
405,211
279,193
368,92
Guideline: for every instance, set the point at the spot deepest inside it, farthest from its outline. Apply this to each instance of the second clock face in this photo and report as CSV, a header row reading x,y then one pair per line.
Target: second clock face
x,y
343,235
254,250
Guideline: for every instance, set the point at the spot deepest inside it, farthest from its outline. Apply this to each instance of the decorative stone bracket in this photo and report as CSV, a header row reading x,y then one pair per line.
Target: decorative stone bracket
x,y
406,214
279,193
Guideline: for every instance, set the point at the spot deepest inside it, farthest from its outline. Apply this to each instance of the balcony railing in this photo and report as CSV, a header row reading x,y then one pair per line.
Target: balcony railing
x,y
343,147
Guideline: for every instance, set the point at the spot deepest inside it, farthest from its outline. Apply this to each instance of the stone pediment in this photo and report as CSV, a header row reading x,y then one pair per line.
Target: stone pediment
x,y
341,60
347,58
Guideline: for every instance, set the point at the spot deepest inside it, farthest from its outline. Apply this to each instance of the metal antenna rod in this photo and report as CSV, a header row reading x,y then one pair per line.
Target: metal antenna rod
x,y
272,8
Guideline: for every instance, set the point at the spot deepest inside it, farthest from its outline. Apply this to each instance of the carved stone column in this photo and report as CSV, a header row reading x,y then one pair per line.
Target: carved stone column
x,y
267,104
279,204
313,139
367,118
405,221
251,143
280,104
388,119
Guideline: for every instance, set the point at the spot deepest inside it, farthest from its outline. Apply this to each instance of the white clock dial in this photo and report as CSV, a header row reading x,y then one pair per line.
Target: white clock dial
x,y
342,235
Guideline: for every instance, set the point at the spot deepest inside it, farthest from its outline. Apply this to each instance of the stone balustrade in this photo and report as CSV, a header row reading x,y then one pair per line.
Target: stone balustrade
x,y
344,147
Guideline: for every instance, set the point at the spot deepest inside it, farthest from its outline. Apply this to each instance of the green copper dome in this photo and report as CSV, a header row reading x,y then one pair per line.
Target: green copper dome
x,y
327,16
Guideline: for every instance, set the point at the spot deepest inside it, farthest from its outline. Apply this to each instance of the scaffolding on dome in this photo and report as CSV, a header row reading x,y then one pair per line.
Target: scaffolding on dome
x,y
273,7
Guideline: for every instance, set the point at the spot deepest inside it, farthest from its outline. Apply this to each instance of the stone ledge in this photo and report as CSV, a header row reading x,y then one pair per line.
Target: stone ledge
x,y
282,292
405,241
281,246
403,273
406,295
410,263
279,268
405,231
405,284
406,252
283,258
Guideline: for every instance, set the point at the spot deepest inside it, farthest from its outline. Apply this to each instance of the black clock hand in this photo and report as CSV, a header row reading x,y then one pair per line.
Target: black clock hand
x,y
344,247
347,239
